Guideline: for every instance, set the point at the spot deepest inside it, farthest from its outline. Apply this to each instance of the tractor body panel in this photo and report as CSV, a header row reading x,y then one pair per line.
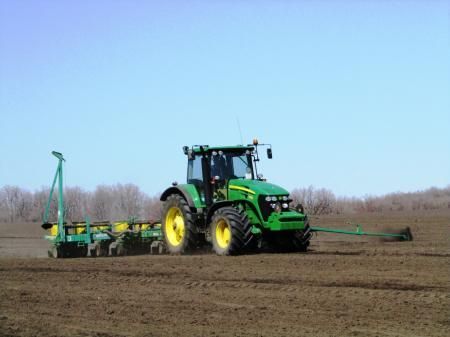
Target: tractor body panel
x,y
261,215
290,220
257,186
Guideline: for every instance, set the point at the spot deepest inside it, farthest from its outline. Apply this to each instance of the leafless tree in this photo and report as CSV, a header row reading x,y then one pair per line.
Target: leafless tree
x,y
16,202
40,198
75,203
102,203
129,200
152,208
315,201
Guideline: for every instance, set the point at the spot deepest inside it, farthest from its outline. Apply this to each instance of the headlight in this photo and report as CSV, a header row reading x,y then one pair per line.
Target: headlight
x,y
285,205
285,198
268,198
274,198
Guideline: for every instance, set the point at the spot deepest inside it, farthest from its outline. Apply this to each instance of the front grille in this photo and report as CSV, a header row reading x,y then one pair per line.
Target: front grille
x,y
265,208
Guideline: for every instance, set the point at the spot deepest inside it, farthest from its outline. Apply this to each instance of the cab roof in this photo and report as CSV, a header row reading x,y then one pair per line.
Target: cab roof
x,y
207,148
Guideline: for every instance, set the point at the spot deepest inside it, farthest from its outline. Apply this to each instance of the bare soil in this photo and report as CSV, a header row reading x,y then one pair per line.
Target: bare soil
x,y
344,286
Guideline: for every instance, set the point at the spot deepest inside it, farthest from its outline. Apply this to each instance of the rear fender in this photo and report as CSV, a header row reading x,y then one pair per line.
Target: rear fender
x,y
182,191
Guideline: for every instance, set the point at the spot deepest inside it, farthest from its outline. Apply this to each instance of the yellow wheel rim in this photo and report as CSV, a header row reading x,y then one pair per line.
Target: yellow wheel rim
x,y
174,226
223,233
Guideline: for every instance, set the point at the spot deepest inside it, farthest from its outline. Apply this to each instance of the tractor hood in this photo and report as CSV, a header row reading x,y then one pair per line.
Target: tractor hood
x,y
257,186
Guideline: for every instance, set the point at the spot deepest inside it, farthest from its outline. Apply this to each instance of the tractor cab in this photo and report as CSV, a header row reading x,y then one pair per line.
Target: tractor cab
x,y
210,169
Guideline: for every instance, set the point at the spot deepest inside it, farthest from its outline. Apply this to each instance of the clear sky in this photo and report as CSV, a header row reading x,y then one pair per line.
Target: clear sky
x,y
353,95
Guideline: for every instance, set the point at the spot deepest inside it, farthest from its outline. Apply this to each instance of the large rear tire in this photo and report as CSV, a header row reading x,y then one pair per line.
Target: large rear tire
x,y
230,231
179,230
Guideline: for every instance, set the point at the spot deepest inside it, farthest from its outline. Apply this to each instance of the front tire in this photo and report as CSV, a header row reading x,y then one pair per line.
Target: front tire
x,y
230,231
180,233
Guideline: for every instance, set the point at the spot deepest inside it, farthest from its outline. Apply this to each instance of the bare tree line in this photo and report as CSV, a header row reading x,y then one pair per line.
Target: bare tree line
x,y
120,202
322,201
115,202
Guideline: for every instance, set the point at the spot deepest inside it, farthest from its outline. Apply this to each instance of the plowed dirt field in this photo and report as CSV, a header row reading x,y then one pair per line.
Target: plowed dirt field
x,y
344,286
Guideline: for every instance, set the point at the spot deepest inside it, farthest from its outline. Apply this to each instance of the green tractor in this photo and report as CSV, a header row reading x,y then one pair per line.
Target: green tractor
x,y
226,203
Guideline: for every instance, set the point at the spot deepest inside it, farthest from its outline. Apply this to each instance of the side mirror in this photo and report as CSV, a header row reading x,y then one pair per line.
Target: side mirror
x,y
269,153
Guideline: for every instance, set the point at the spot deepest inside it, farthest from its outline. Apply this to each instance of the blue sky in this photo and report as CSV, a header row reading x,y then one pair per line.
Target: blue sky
x,y
353,95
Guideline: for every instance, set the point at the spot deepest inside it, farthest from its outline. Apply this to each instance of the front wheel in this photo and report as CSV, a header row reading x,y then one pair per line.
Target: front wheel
x,y
230,231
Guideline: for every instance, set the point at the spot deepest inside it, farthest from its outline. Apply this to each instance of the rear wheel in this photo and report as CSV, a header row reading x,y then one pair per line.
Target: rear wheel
x,y
230,231
180,233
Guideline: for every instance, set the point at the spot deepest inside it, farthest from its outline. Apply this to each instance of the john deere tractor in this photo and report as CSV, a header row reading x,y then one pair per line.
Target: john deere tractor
x,y
227,204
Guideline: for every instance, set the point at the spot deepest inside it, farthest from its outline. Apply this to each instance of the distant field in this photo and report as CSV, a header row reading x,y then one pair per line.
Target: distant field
x,y
344,286
22,240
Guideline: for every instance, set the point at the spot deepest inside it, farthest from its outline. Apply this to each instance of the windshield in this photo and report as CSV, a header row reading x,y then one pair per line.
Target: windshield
x,y
231,166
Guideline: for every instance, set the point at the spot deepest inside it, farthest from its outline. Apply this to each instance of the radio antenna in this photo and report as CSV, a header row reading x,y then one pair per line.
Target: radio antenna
x,y
240,132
